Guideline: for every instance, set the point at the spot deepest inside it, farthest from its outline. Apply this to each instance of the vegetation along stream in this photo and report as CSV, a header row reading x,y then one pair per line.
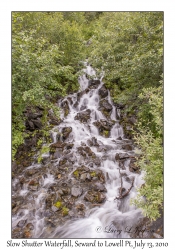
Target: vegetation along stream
x,y
87,154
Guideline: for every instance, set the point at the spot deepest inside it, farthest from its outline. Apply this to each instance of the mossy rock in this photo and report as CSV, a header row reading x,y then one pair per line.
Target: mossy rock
x,y
58,204
106,113
76,173
105,133
65,211
62,162
93,174
66,112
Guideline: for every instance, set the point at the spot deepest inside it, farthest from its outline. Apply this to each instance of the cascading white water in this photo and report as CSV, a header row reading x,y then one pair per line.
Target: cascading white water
x,y
110,219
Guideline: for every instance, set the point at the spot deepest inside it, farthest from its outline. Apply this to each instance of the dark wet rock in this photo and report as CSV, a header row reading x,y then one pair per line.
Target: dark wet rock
x,y
83,107
57,154
104,127
33,182
30,125
119,156
127,147
37,123
79,171
33,120
65,106
47,213
62,162
29,226
133,166
75,104
33,188
97,162
121,164
94,197
14,166
17,233
70,100
94,141
76,191
22,180
13,204
60,192
49,200
132,120
90,143
83,176
80,206
62,145
87,174
119,138
34,115
65,132
104,104
119,105
104,124
49,223
93,83
54,121
99,187
101,197
66,190
86,151
80,94
21,223
54,208
103,92
148,229
83,116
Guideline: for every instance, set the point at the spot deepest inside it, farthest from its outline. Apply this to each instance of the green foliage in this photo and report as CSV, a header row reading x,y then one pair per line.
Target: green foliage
x,y
128,46
46,51
149,140
44,149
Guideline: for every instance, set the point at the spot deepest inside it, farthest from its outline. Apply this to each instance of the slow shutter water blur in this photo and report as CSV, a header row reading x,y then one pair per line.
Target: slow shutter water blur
x,y
108,217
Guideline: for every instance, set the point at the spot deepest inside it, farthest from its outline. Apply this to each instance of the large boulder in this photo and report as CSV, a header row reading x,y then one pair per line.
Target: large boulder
x,y
65,132
83,116
94,197
99,187
65,106
120,156
103,92
86,152
93,83
104,127
76,191
105,105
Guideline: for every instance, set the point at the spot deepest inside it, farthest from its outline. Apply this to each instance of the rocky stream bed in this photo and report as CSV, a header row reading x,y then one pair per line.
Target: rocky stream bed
x,y
83,186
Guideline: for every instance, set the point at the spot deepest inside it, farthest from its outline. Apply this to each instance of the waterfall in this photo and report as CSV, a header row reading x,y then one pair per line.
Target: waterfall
x,y
87,174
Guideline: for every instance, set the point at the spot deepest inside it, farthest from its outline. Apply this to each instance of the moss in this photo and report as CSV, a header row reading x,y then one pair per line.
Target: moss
x,y
93,174
106,113
66,112
40,159
58,204
65,211
76,173
105,133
